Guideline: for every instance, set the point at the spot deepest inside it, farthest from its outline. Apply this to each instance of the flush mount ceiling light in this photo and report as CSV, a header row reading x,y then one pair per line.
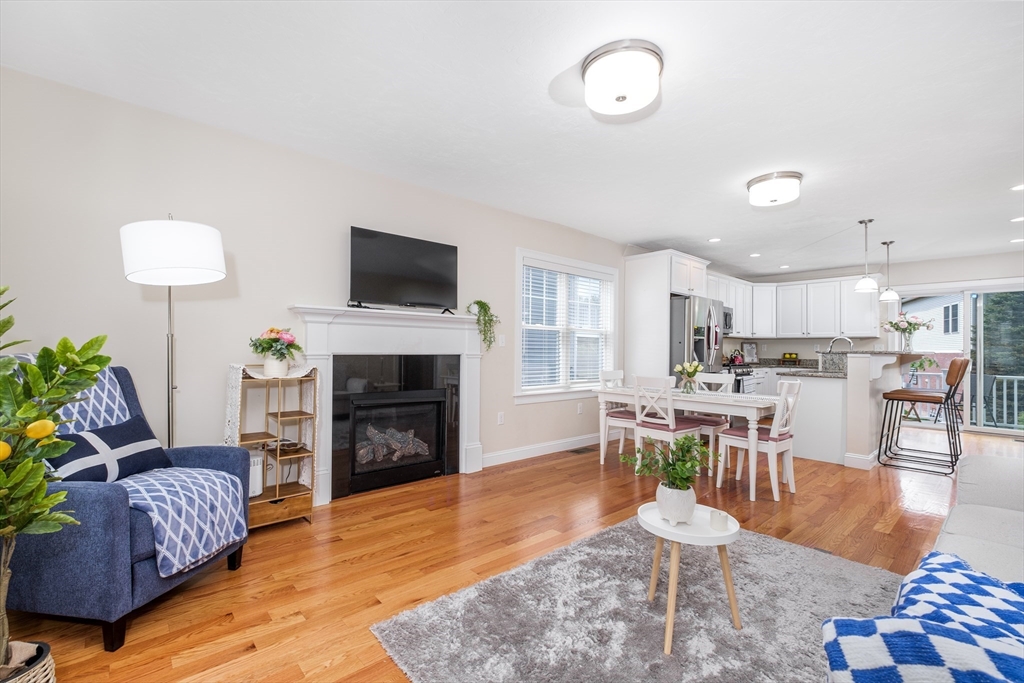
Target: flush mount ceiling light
x,y
889,294
773,189
622,77
866,283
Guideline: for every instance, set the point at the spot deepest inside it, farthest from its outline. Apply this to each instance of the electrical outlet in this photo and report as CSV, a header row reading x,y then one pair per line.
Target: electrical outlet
x,y
579,408
764,348
501,340
501,418
817,347
879,347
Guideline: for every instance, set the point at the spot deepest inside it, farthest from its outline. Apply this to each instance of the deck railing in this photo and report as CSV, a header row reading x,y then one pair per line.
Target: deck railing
x,y
1002,400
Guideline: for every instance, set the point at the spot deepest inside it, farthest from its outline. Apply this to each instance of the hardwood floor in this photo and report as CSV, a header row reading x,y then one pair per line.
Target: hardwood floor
x,y
301,606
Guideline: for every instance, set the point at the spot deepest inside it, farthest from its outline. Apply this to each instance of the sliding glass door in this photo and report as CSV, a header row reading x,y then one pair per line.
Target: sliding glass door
x,y
997,354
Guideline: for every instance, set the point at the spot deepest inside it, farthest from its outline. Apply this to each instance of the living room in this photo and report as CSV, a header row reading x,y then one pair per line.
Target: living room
x,y
285,126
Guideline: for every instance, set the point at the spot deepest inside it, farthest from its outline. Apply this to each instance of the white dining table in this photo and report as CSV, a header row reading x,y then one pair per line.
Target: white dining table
x,y
751,406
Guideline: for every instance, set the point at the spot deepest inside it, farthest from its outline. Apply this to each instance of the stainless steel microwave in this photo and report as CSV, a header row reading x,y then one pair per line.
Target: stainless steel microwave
x,y
726,322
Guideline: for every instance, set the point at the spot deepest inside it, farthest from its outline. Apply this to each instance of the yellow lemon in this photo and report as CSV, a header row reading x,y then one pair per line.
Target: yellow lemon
x,y
40,429
5,450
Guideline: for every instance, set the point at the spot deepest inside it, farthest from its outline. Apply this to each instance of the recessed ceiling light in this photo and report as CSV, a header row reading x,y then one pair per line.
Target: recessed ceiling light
x,y
773,189
783,267
754,255
1019,239
715,239
1018,188
622,77
1017,220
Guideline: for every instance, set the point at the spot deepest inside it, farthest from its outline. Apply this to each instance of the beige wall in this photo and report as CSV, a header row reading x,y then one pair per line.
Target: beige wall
x,y
75,167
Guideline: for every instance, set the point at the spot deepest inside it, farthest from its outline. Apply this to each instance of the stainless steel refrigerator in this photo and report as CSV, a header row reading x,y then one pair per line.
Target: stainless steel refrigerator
x,y
696,332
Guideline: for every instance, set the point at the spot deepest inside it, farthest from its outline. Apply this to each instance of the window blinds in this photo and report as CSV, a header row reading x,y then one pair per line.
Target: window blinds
x,y
567,322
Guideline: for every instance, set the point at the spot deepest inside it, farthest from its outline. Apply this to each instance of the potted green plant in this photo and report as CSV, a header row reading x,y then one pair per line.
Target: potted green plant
x,y
677,470
485,321
31,396
923,363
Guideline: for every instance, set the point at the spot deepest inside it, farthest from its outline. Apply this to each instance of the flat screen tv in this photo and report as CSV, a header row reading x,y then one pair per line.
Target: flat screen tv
x,y
402,271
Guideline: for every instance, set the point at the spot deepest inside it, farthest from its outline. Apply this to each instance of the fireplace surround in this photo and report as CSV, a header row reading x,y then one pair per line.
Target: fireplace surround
x,y
331,331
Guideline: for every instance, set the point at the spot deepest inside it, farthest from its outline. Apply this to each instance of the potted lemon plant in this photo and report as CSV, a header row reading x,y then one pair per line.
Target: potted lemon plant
x,y
31,396
677,470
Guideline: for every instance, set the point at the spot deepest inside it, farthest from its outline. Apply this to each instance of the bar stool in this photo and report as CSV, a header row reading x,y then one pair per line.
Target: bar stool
x,y
892,454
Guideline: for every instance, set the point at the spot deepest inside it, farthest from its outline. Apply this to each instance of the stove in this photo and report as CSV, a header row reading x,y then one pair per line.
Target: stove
x,y
744,378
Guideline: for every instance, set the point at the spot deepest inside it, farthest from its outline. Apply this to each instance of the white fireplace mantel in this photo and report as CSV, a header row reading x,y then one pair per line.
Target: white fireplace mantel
x,y
360,331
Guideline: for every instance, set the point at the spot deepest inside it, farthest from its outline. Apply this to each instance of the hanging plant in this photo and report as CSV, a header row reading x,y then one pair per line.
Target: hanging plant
x,y
485,321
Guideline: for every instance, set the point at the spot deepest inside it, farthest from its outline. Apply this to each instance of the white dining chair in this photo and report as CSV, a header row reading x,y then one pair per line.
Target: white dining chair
x,y
772,441
712,425
655,421
620,415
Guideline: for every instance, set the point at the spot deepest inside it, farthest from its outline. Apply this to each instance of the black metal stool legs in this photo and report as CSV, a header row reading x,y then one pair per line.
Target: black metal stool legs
x,y
892,454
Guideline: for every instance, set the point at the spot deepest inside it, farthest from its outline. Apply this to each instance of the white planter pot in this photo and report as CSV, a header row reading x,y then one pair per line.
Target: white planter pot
x,y
273,367
676,506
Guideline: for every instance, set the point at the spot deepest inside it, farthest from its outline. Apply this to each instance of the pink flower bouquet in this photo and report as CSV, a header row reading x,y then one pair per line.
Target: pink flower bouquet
x,y
276,342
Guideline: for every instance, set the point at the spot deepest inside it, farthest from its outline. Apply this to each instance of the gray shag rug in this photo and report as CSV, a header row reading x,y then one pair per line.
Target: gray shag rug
x,y
581,613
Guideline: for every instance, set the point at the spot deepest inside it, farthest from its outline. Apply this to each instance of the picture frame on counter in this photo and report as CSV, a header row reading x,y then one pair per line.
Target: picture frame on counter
x,y
749,352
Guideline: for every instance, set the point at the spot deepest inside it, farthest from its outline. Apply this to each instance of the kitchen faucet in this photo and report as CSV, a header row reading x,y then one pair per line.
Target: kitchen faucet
x,y
837,339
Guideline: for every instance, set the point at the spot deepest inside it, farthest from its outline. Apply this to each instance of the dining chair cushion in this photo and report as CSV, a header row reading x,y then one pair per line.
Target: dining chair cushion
x,y
681,426
706,420
622,414
914,395
763,434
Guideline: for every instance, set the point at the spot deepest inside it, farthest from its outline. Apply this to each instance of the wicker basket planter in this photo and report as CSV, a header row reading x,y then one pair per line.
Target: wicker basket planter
x,y
40,668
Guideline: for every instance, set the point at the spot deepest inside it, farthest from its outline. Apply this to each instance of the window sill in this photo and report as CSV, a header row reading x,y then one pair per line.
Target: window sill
x,y
555,395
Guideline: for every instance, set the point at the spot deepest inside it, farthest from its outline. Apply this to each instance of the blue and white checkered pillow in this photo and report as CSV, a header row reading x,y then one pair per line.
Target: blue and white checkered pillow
x,y
946,590
906,650
949,623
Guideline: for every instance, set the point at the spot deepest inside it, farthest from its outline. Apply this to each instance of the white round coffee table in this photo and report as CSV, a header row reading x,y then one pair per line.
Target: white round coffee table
x,y
697,532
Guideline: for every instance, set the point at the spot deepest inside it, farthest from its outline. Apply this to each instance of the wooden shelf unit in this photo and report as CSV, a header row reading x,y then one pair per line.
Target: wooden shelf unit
x,y
283,501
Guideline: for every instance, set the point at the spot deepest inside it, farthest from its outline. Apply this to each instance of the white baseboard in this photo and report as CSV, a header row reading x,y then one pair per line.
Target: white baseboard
x,y
861,462
525,452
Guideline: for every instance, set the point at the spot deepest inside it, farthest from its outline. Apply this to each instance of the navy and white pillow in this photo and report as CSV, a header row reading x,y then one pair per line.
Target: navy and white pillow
x,y
110,453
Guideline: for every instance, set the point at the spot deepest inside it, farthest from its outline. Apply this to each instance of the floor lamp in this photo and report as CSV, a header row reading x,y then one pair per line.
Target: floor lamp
x,y
168,254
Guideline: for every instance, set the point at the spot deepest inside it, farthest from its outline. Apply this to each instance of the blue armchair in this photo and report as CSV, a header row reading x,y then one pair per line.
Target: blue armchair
x,y
105,568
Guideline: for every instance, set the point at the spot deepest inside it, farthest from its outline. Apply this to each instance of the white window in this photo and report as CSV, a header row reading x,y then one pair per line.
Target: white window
x,y
951,319
565,326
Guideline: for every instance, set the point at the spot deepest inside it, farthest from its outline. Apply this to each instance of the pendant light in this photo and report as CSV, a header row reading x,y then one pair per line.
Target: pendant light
x,y
889,295
866,284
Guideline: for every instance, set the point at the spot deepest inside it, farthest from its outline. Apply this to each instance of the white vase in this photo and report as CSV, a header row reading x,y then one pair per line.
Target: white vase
x,y
273,367
676,506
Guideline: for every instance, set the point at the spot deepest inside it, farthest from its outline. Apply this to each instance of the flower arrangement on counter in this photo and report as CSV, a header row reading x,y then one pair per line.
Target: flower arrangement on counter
x,y
907,324
688,370
277,343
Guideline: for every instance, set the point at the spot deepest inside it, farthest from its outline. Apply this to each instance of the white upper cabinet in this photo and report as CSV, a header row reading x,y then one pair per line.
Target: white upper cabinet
x,y
762,317
743,316
689,275
714,287
791,311
823,306
859,311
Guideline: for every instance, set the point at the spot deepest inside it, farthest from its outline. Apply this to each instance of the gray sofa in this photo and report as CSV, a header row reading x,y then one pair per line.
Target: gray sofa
x,y
986,526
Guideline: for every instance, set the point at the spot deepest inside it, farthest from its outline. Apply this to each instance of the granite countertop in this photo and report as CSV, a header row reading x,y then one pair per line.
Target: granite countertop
x,y
872,353
811,373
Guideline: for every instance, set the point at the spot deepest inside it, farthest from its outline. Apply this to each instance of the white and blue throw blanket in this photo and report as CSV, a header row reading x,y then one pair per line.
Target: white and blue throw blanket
x,y
196,513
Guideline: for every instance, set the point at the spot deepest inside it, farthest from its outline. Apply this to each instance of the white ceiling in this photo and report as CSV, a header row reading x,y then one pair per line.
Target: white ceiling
x,y
911,113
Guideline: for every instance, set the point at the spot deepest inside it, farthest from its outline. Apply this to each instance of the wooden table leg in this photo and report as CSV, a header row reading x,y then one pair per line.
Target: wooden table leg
x,y
673,584
723,556
659,543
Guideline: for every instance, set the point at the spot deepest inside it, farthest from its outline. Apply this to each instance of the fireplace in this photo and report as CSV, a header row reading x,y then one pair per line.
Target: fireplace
x,y
395,420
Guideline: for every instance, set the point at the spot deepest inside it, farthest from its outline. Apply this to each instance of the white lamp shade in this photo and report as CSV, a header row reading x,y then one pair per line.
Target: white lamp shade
x,y
774,191
866,284
172,253
622,82
889,295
